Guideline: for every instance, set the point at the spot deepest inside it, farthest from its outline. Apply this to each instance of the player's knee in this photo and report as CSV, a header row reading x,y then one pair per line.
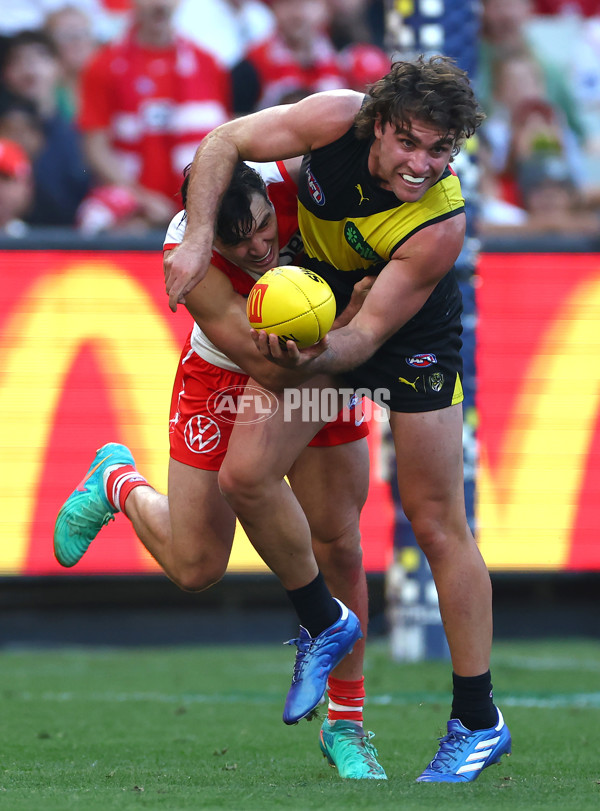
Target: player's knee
x,y
197,576
341,552
200,570
433,536
239,485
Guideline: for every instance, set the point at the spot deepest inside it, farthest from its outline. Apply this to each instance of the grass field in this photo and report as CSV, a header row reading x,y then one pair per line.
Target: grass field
x,y
189,728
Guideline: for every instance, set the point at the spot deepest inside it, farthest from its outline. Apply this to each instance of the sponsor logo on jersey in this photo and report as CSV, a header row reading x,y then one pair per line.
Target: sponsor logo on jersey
x,y
358,243
315,190
202,434
288,254
363,199
412,384
422,360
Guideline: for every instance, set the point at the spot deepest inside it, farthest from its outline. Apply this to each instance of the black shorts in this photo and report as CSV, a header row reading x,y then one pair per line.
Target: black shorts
x,y
420,367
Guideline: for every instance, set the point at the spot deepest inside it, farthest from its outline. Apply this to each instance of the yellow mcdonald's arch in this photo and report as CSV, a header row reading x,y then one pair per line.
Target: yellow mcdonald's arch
x,y
90,301
527,505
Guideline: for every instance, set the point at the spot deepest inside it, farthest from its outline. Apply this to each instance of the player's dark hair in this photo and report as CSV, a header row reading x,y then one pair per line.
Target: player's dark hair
x,y
185,184
234,220
433,90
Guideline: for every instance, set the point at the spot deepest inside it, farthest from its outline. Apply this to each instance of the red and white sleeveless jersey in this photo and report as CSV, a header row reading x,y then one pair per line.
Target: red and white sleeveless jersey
x,y
282,192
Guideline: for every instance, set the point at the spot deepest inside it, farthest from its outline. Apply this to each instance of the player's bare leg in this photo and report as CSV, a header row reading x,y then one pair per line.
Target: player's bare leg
x,y
252,479
430,477
429,461
331,485
341,474
190,533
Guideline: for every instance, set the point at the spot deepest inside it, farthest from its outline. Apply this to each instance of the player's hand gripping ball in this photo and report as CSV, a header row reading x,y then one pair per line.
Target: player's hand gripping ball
x,y
293,303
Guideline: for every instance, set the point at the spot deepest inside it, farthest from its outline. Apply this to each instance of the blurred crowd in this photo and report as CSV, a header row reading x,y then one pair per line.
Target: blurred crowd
x,y
538,82
103,102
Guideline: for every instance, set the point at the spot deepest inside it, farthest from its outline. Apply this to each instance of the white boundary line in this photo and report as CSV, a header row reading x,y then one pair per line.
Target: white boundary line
x,y
551,701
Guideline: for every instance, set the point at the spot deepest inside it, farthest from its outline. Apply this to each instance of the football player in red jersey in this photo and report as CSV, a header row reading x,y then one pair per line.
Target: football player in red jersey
x,y
190,532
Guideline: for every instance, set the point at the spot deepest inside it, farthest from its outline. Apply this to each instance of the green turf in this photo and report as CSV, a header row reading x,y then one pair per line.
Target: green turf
x,y
190,728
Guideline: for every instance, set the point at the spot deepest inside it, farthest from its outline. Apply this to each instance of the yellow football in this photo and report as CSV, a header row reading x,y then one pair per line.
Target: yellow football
x,y
294,303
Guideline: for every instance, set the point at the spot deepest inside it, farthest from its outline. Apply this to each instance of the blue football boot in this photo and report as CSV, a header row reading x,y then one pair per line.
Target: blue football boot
x,y
315,659
463,754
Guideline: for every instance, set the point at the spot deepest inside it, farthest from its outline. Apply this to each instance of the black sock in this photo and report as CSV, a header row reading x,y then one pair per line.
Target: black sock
x,y
472,702
314,605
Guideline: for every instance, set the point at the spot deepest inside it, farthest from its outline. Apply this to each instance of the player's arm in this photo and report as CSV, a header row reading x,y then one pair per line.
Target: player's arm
x,y
398,293
276,133
221,314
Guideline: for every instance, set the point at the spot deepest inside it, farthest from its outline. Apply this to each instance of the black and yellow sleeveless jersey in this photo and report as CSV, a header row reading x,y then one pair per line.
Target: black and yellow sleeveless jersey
x,y
348,221
351,227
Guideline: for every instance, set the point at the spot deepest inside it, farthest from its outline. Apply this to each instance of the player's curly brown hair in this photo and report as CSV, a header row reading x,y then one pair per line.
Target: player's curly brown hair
x,y
434,90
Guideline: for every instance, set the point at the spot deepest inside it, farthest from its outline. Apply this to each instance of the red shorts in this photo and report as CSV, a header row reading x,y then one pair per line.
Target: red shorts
x,y
207,400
